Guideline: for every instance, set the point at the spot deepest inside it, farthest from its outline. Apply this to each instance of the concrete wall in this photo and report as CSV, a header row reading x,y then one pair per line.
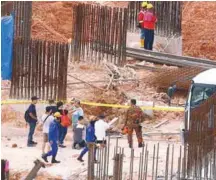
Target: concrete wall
x,y
161,44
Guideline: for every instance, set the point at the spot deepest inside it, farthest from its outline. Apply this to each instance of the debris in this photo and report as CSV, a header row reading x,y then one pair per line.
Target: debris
x,y
86,82
35,169
161,123
14,145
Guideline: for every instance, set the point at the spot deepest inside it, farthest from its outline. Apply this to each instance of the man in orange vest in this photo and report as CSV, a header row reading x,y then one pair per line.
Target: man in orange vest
x,y
141,23
149,25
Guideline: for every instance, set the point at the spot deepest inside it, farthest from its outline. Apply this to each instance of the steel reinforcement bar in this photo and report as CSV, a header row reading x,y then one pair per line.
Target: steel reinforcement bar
x,y
169,59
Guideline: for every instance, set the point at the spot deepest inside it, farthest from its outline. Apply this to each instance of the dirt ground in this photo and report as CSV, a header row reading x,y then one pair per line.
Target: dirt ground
x,y
53,21
198,29
14,129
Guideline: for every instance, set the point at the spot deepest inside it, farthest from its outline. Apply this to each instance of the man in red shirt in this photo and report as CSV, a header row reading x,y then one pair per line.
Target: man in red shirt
x,y
149,25
141,23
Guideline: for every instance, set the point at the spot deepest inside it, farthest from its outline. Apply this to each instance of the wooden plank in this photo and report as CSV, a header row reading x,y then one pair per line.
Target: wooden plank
x,y
48,71
43,69
116,35
40,67
65,72
56,70
60,73
51,68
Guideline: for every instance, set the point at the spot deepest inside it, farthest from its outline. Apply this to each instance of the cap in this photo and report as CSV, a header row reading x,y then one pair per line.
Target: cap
x,y
73,100
144,4
149,6
57,114
34,98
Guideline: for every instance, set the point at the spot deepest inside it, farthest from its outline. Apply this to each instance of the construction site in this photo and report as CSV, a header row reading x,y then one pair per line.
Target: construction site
x,y
90,51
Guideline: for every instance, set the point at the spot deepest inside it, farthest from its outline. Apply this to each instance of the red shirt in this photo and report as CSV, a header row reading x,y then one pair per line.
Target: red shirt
x,y
141,18
149,20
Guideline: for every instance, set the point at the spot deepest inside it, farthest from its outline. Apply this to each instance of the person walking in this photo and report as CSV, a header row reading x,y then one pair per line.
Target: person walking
x,y
141,23
53,138
149,25
46,120
90,138
31,119
134,117
63,127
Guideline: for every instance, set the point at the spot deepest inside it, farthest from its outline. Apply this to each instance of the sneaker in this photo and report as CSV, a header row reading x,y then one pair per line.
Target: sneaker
x,y
44,158
34,142
62,146
55,161
31,145
80,159
140,145
77,147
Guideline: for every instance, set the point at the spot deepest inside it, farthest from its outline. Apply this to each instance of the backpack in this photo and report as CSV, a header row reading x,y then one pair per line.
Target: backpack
x,y
65,120
26,115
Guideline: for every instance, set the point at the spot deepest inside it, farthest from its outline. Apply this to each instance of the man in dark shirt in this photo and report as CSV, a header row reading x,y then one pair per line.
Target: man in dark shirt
x,y
53,106
32,121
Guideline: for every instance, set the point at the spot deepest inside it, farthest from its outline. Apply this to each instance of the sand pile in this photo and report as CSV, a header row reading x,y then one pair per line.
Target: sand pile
x,y
198,29
110,97
52,20
40,176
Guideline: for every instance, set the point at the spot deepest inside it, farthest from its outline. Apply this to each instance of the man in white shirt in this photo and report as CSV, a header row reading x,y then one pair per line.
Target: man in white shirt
x,y
46,119
100,130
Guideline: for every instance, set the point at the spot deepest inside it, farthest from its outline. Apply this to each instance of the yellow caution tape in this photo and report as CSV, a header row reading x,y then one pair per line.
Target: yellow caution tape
x,y
156,108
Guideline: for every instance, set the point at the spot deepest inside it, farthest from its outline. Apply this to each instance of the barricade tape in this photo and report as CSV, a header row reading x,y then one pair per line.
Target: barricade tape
x,y
156,108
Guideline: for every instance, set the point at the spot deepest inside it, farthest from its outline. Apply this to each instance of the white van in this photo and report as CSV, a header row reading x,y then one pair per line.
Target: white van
x,y
202,87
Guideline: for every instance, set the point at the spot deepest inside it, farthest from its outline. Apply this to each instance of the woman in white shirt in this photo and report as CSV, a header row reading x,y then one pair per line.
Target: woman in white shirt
x,y
46,119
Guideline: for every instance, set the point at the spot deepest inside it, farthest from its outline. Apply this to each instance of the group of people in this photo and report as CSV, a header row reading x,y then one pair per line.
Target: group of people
x,y
55,123
146,23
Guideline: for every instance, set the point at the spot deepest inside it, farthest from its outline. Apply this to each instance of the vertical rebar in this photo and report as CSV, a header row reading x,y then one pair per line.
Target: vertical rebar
x,y
131,164
171,173
167,164
156,171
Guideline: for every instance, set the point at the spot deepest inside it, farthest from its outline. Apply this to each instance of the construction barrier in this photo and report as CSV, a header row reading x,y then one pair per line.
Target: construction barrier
x,y
156,108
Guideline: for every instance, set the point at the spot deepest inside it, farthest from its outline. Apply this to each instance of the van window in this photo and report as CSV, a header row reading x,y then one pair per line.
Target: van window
x,y
201,93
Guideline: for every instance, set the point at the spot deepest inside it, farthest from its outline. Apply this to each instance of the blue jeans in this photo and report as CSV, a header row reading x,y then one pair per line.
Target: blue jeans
x,y
54,149
32,126
149,39
142,31
62,133
85,150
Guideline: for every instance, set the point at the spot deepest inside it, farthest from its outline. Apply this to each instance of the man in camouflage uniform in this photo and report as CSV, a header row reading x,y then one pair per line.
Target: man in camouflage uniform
x,y
134,117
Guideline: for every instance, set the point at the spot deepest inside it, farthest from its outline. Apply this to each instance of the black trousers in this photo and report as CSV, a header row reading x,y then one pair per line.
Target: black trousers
x,y
149,39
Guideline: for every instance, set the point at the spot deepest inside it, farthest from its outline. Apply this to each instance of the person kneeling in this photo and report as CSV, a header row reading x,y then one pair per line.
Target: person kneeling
x,y
53,138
